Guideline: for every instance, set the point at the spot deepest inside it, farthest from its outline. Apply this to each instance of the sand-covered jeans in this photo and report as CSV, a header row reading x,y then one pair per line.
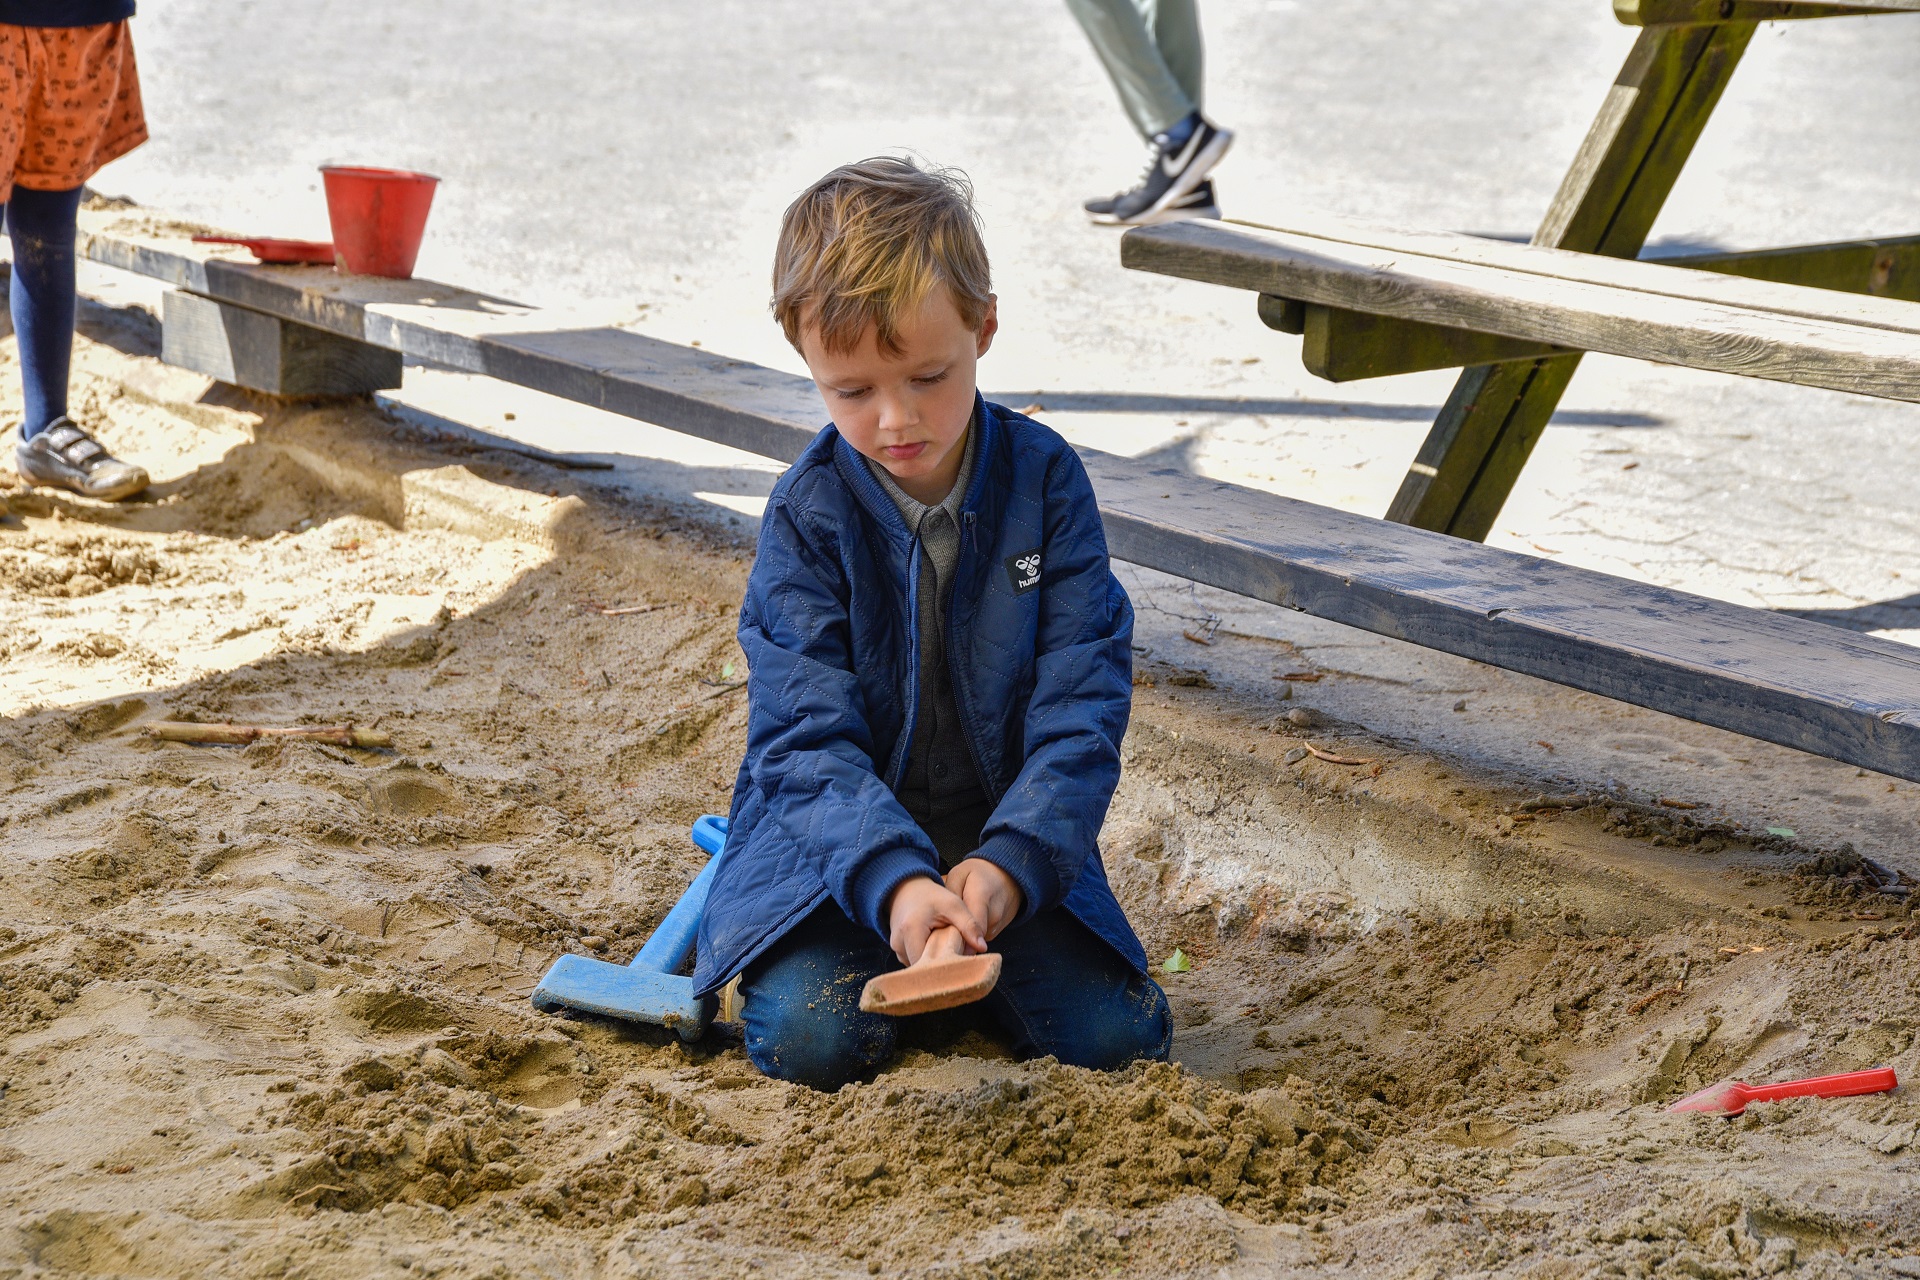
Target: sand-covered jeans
x,y
1062,991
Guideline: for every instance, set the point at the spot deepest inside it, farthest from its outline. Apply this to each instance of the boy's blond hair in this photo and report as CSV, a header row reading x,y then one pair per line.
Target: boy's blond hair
x,y
865,246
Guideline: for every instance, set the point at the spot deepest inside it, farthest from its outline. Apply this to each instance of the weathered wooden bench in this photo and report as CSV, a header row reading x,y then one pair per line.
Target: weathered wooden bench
x,y
1372,301
1803,684
1469,300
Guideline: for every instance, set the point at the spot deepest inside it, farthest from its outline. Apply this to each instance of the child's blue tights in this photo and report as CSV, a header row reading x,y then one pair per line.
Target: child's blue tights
x,y
42,298
1062,991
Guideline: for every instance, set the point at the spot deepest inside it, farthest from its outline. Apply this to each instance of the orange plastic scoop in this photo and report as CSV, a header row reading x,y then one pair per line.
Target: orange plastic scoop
x,y
1731,1097
945,976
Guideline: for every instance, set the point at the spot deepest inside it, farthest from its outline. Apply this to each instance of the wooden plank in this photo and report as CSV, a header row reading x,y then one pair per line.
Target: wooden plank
x,y
1648,13
1848,696
261,352
1758,291
1347,345
1284,314
1344,346
1550,309
563,355
1786,680
1882,268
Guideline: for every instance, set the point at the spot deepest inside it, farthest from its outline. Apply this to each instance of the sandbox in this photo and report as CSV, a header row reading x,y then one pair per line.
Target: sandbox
x,y
264,1008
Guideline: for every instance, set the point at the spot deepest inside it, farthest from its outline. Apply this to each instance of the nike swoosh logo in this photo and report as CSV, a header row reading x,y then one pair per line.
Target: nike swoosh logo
x,y
1172,165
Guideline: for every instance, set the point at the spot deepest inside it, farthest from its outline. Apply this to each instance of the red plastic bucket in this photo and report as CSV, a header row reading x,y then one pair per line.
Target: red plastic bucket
x,y
379,217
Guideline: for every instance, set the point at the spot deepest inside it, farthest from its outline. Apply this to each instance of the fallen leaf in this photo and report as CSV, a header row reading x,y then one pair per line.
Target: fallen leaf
x,y
1196,637
1035,407
1541,743
1785,832
1177,962
1305,677
726,672
1671,803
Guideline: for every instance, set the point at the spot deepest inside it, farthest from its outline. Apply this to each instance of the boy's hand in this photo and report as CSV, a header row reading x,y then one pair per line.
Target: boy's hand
x,y
990,893
920,906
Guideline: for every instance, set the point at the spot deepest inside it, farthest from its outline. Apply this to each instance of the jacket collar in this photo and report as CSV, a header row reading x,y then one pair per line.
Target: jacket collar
x,y
881,507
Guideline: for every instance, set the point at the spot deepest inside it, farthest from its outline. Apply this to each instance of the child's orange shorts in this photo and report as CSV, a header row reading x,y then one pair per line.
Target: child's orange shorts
x,y
69,103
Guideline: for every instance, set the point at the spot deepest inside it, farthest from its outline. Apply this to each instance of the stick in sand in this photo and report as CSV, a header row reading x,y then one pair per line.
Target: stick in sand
x,y
944,976
339,735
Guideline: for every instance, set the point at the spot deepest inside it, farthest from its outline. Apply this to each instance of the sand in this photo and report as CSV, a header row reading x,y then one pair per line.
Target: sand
x,y
262,1009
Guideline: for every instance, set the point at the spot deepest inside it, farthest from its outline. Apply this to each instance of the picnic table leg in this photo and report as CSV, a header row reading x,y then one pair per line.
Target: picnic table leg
x,y
1607,204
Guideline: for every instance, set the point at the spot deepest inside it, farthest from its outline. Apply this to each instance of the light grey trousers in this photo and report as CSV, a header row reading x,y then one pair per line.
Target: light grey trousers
x,y
1151,48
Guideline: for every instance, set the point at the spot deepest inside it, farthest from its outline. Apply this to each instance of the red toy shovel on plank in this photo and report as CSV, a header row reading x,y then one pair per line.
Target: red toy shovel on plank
x,y
1731,1097
944,976
274,249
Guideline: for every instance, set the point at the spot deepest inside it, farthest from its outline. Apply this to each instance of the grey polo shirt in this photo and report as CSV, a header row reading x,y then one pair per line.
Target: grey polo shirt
x,y
940,789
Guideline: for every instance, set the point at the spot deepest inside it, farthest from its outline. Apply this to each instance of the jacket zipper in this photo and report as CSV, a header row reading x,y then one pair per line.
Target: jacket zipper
x,y
905,745
962,693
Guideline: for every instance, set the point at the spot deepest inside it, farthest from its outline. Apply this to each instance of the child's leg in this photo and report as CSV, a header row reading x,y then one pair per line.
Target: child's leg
x,y
802,1016
42,298
1065,992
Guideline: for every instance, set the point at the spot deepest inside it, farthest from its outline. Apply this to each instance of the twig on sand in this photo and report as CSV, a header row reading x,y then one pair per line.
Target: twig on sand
x,y
620,611
1203,634
1640,1005
1330,758
338,735
685,707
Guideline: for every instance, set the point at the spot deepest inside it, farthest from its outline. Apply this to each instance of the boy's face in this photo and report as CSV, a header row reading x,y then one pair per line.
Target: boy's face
x,y
907,412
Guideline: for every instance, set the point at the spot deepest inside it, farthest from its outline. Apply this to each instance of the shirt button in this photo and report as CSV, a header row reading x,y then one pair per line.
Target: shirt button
x,y
940,771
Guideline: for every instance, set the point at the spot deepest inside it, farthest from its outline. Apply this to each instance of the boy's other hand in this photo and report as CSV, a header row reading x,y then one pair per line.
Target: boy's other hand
x,y
990,893
920,906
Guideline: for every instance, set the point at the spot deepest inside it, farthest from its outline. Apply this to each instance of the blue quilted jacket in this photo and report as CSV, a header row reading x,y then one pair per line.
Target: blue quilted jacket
x,y
1039,641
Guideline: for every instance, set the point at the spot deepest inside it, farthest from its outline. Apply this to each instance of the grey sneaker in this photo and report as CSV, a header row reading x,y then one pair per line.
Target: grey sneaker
x,y
65,457
1172,176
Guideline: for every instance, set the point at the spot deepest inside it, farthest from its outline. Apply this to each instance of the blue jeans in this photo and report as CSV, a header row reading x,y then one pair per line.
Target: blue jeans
x,y
1062,991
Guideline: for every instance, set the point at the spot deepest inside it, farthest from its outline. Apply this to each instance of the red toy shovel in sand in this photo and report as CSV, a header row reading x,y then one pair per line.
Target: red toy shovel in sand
x,y
944,976
1731,1097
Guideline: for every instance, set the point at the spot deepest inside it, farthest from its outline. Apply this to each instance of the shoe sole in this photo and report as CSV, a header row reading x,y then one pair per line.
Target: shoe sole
x,y
1153,218
115,494
1171,215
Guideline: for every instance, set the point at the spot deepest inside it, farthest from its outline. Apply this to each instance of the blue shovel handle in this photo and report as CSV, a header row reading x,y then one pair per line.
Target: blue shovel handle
x,y
667,949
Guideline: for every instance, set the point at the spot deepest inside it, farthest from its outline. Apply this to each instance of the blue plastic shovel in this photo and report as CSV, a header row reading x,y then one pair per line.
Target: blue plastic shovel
x,y
650,989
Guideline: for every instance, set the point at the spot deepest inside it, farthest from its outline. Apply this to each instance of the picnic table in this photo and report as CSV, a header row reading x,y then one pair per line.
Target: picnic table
x,y
1787,680
1371,301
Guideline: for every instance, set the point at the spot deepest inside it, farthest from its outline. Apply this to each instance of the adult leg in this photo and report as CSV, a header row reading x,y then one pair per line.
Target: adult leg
x,y
802,1016
1125,36
1064,992
42,298
1176,33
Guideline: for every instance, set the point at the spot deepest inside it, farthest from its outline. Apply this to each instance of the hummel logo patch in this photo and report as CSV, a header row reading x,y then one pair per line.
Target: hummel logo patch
x,y
1023,571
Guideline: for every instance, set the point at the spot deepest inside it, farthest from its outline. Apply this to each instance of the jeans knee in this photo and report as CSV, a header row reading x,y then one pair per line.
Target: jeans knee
x,y
1137,1023
820,1048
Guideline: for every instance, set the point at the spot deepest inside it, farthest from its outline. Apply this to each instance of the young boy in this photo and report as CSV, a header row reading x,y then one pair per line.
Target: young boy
x,y
940,670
